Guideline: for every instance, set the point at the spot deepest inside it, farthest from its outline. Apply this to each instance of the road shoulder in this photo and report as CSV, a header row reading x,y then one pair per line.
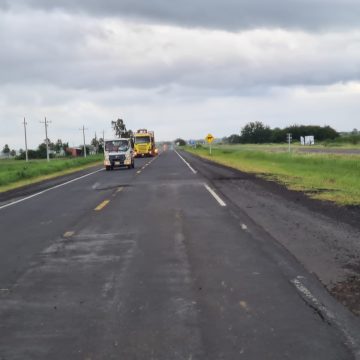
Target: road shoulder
x,y
321,235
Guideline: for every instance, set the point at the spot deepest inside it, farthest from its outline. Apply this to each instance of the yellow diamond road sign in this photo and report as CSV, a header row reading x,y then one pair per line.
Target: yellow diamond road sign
x,y
209,138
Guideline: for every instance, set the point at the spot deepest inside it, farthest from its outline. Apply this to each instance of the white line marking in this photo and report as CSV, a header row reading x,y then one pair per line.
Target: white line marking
x,y
307,293
194,171
68,234
46,190
243,226
326,313
215,195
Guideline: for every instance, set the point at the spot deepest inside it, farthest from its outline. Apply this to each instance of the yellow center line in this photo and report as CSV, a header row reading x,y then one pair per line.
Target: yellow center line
x,y
102,205
68,234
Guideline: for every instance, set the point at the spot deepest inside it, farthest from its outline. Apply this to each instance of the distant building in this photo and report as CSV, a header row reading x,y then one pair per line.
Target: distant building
x,y
75,151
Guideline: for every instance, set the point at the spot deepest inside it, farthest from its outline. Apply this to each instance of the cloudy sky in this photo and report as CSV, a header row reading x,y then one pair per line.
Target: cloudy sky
x,y
181,68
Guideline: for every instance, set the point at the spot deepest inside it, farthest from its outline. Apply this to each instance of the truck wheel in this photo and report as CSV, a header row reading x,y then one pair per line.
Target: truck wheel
x,y
107,168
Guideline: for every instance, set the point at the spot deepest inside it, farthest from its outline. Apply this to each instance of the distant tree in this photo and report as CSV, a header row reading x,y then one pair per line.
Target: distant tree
x,y
41,151
12,153
278,135
233,139
256,133
101,145
120,130
95,143
320,133
58,146
6,150
355,131
180,142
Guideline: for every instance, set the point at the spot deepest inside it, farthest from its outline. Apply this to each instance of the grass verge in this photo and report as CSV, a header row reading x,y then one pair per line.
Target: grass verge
x,y
321,176
18,173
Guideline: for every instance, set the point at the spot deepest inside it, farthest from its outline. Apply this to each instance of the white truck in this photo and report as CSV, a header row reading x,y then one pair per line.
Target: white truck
x,y
119,152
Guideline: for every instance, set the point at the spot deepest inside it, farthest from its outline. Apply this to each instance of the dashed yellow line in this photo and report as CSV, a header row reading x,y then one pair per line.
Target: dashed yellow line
x,y
68,234
102,205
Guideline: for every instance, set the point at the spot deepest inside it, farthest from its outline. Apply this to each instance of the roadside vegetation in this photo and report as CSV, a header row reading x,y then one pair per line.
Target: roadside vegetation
x,y
15,173
259,133
332,177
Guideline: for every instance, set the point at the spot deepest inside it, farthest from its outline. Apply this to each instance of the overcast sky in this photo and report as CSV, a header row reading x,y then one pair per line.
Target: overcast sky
x,y
183,68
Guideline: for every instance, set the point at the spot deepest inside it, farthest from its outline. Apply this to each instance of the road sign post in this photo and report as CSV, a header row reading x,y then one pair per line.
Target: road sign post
x,y
209,138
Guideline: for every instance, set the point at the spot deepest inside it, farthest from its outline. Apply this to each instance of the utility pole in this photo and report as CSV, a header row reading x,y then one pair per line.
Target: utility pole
x,y
289,138
96,143
26,148
104,141
46,137
83,130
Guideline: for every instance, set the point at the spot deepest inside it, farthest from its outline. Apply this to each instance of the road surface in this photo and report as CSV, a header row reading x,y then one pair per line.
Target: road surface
x,y
155,263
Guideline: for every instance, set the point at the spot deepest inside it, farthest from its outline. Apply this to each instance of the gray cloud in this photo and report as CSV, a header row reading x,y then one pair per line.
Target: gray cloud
x,y
92,62
225,14
80,52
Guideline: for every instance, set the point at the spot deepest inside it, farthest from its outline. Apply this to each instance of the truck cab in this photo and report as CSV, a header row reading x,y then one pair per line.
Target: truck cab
x,y
118,153
145,143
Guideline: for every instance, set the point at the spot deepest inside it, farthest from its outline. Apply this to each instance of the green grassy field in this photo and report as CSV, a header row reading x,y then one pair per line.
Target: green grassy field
x,y
332,177
16,173
295,147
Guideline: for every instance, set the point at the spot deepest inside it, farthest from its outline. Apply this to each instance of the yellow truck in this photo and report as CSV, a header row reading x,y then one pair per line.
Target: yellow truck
x,y
144,143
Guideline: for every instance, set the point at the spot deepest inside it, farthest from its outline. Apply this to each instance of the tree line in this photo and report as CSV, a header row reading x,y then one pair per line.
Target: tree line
x,y
258,133
60,148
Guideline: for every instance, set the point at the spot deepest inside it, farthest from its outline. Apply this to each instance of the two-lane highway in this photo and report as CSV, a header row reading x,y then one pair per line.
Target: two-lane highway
x,y
149,263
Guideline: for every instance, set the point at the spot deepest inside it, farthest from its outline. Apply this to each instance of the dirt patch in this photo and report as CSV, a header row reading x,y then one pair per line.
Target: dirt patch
x,y
348,293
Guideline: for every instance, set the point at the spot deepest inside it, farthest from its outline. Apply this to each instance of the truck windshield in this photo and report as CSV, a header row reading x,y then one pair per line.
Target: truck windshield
x,y
116,145
142,139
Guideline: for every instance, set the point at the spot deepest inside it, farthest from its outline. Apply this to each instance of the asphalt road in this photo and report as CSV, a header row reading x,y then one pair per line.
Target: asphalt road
x,y
155,263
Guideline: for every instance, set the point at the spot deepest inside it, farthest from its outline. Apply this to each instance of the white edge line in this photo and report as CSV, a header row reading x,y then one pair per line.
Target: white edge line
x,y
190,167
325,312
46,190
215,195
307,293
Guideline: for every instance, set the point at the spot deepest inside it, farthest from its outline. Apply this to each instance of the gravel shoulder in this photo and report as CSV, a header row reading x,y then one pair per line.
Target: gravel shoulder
x,y
324,237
